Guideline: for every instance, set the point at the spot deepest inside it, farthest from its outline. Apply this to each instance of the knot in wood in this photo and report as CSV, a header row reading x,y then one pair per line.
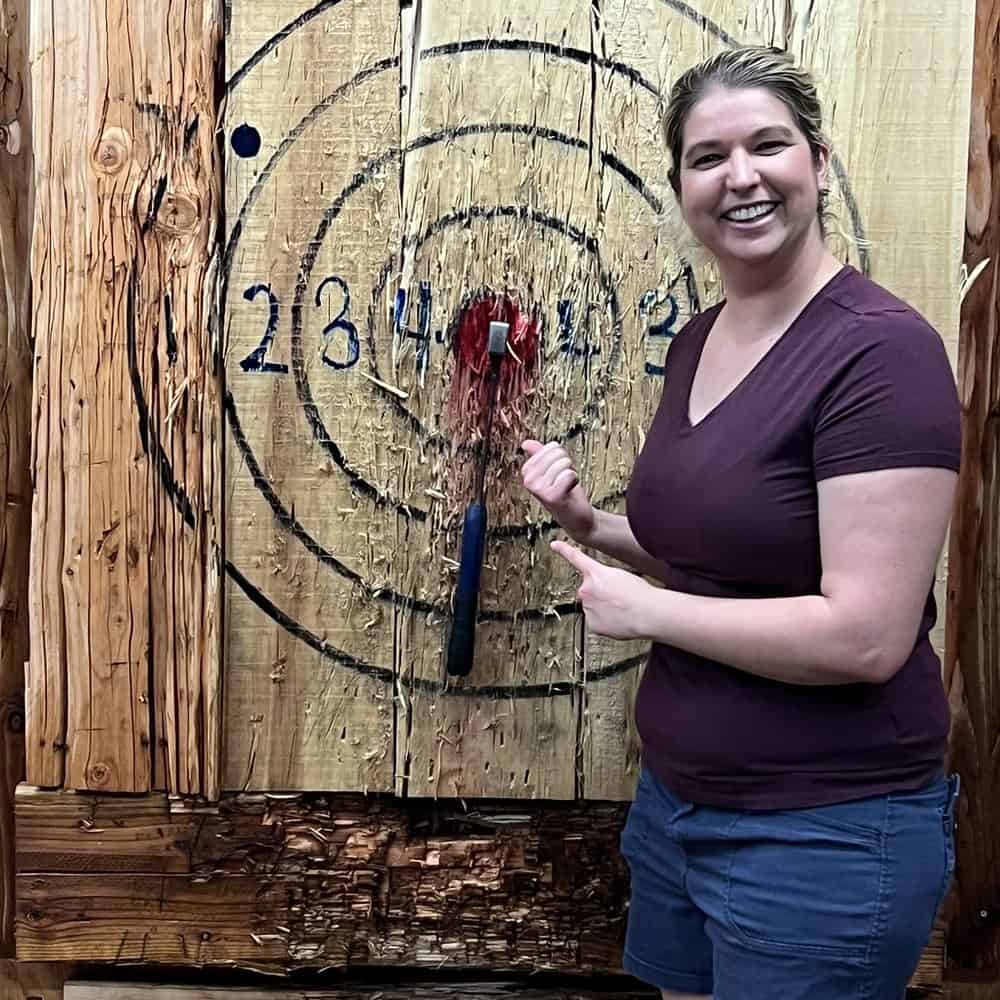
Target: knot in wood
x,y
113,151
10,137
178,214
15,721
99,774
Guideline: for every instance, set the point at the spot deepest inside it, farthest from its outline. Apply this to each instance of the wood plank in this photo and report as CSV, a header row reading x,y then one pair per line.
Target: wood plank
x,y
67,831
312,221
320,880
33,980
376,991
55,296
176,316
973,653
958,990
90,620
127,401
15,431
497,206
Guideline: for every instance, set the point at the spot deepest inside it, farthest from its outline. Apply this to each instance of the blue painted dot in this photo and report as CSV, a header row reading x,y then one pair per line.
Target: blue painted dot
x,y
245,141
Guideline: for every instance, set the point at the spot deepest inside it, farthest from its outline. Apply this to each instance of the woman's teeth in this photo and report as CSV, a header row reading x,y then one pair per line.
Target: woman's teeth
x,y
749,213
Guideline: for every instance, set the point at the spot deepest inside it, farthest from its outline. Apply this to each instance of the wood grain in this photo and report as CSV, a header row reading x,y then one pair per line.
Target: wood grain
x,y
15,429
305,538
33,980
125,566
973,652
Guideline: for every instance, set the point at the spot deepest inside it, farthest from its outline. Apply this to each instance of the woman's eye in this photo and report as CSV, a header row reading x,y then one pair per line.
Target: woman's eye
x,y
773,146
707,160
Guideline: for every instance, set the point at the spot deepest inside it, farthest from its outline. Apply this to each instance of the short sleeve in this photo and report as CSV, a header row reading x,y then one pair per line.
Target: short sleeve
x,y
892,402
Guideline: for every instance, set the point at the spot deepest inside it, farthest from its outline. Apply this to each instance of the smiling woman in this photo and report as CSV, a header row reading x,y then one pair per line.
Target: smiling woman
x,y
792,495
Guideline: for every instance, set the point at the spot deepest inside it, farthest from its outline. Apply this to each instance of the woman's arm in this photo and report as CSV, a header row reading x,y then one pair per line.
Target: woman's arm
x,y
880,535
550,476
612,535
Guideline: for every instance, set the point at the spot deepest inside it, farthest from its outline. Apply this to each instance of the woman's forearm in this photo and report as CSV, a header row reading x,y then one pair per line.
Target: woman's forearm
x,y
613,536
800,640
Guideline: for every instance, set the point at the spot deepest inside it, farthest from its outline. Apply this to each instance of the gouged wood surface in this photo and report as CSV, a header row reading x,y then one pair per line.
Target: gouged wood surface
x,y
298,715
973,654
15,429
275,882
492,744
123,274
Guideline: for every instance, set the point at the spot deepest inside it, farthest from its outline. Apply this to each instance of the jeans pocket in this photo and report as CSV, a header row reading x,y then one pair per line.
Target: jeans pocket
x,y
799,883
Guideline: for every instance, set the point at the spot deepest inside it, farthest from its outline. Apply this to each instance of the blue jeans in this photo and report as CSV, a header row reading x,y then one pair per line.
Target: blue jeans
x,y
800,904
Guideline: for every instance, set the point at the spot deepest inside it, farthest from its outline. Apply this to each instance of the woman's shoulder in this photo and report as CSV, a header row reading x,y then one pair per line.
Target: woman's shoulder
x,y
874,314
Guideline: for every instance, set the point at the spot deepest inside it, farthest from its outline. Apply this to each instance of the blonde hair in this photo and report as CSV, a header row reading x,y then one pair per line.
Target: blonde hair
x,y
744,67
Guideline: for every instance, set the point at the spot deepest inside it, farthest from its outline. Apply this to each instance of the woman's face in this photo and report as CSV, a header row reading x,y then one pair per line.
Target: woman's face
x,y
749,181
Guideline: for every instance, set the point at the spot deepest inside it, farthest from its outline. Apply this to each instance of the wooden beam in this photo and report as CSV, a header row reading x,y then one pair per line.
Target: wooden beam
x,y
15,430
275,882
973,641
125,580
428,991
971,991
271,882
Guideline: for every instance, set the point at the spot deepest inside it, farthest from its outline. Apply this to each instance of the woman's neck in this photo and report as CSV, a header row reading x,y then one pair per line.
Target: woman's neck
x,y
773,293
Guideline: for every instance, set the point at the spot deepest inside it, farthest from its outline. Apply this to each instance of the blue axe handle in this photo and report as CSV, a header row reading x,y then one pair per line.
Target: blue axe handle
x,y
462,641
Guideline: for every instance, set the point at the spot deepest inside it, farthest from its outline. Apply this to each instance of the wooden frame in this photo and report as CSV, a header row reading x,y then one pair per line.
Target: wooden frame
x,y
973,644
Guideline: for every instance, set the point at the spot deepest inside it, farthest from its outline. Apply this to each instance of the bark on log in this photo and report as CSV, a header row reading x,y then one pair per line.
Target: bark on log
x,y
973,646
15,429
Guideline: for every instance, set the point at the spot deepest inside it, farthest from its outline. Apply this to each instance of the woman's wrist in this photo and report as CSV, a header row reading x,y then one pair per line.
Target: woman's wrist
x,y
588,538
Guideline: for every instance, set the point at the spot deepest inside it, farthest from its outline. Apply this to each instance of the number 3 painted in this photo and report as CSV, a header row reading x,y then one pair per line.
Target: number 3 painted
x,y
339,323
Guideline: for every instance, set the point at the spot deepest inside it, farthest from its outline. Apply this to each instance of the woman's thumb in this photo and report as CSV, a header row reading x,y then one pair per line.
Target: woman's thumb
x,y
531,447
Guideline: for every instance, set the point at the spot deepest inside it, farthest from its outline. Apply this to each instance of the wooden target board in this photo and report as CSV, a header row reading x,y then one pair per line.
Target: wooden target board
x,y
394,178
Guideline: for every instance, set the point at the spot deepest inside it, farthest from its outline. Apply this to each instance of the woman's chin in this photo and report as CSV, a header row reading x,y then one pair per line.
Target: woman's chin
x,y
747,249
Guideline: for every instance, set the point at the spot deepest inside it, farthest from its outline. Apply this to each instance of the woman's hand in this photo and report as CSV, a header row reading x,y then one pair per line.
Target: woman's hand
x,y
617,603
549,476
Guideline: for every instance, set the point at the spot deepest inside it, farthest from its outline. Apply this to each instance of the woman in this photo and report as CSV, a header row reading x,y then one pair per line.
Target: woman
x,y
791,835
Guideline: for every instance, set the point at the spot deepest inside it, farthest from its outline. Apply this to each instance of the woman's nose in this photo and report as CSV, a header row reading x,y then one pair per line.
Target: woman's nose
x,y
742,171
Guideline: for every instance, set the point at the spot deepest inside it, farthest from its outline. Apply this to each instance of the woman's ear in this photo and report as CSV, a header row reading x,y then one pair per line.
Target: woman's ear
x,y
822,159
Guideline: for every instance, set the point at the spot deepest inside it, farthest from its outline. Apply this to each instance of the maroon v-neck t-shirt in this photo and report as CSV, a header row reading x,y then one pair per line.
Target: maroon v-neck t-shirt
x,y
858,382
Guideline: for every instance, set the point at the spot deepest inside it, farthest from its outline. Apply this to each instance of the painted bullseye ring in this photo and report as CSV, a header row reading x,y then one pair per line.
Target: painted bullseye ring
x,y
154,447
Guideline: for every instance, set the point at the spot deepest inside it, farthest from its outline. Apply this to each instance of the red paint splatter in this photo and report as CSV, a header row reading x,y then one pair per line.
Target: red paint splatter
x,y
470,387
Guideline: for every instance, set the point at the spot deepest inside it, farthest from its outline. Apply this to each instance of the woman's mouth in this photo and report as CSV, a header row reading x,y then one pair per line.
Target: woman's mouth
x,y
747,214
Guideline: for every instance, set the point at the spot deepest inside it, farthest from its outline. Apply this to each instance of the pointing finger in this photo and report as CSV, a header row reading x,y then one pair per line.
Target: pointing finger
x,y
580,561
